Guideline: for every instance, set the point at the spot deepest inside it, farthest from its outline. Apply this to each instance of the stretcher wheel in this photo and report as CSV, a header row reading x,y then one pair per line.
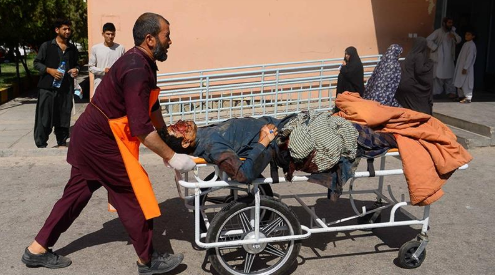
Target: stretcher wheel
x,y
406,252
264,189
233,223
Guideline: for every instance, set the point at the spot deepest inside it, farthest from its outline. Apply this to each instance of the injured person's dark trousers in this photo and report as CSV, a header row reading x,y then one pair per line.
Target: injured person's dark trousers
x,y
76,195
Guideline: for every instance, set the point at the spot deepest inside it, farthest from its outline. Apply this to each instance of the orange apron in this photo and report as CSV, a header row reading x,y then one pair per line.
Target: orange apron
x,y
129,149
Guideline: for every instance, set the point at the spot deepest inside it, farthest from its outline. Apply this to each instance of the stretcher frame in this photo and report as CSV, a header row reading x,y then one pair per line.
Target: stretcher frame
x,y
318,225
211,96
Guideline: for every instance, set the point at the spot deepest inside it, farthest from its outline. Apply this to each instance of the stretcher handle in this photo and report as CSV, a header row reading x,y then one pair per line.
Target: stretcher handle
x,y
203,161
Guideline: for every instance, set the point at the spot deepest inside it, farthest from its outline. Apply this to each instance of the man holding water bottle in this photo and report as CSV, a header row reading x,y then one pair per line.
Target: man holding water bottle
x,y
57,62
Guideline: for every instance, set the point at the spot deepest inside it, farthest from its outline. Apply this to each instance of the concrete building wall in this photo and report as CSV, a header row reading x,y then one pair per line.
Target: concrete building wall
x,y
225,33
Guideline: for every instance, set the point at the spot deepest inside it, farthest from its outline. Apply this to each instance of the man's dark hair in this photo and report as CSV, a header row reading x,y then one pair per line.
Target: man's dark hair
x,y
60,22
147,23
175,143
471,31
446,18
109,27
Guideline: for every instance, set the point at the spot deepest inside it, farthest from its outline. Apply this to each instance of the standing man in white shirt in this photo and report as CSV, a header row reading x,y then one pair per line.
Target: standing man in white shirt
x,y
442,45
103,55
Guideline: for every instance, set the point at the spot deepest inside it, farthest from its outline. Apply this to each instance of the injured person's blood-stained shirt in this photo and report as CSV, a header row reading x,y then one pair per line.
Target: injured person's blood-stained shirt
x,y
226,142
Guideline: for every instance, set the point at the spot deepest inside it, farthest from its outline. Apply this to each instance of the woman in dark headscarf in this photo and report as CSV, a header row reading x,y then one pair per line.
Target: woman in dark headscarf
x,y
351,76
415,88
383,83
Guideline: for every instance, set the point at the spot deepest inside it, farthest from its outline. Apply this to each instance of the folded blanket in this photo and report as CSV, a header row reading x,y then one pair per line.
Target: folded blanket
x,y
429,150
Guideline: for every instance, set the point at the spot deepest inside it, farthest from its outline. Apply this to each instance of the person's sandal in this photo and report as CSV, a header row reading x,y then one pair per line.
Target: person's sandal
x,y
160,263
465,100
48,259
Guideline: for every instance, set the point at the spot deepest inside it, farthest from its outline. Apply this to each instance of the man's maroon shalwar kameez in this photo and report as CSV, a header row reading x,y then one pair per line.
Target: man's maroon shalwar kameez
x,y
95,157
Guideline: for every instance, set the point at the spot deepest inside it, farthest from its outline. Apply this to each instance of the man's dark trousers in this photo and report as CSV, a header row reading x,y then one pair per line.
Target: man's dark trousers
x,y
53,109
76,195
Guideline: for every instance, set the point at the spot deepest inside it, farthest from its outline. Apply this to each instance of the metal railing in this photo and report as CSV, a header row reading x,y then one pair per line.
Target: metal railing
x,y
214,95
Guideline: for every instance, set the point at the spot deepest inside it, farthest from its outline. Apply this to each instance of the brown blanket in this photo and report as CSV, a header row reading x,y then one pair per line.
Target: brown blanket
x,y
429,150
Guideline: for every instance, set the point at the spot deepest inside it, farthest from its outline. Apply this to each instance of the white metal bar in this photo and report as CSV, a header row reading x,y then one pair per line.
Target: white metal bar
x,y
364,226
311,212
196,94
208,184
426,218
266,65
256,212
305,235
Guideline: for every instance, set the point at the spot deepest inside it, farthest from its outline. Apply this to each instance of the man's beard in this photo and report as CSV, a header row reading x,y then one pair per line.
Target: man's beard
x,y
448,28
160,51
63,37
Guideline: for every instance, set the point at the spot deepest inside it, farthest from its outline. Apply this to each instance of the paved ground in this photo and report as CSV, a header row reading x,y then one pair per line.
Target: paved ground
x,y
461,234
17,124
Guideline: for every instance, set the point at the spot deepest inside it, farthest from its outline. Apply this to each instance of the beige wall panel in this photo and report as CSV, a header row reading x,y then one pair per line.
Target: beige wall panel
x,y
225,33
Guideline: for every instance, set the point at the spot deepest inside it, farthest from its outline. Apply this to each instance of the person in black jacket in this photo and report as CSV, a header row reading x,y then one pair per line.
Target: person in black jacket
x,y
54,105
351,76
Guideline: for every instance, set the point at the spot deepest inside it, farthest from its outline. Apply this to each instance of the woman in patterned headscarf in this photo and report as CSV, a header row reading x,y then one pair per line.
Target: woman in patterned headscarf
x,y
385,79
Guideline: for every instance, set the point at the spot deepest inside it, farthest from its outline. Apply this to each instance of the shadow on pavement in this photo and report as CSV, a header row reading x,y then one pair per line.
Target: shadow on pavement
x,y
177,223
165,228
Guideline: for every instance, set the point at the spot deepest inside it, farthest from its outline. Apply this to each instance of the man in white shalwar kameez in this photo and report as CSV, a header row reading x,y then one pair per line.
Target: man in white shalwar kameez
x,y
442,45
103,55
464,69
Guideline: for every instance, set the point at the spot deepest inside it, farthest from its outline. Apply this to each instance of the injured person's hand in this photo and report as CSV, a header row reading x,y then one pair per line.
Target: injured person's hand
x,y
267,134
181,162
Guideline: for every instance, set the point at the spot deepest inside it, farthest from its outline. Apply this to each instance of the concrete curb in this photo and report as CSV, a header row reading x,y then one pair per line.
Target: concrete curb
x,y
45,152
8,93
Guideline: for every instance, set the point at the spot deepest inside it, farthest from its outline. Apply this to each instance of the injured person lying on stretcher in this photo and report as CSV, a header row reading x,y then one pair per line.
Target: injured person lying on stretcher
x,y
329,147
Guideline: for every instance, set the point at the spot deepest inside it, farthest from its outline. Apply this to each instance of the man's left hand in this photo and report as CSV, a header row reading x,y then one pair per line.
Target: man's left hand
x,y
73,72
464,71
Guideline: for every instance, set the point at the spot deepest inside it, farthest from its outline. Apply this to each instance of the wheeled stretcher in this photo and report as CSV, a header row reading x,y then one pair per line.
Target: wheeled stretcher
x,y
255,232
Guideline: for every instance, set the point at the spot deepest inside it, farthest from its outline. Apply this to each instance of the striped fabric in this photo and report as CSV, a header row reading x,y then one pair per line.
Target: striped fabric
x,y
328,138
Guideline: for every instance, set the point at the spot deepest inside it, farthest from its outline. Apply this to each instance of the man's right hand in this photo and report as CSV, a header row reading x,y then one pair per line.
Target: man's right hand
x,y
55,73
182,162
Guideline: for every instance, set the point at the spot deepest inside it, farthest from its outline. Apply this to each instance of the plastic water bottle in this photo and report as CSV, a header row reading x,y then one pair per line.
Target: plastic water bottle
x,y
77,89
56,83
